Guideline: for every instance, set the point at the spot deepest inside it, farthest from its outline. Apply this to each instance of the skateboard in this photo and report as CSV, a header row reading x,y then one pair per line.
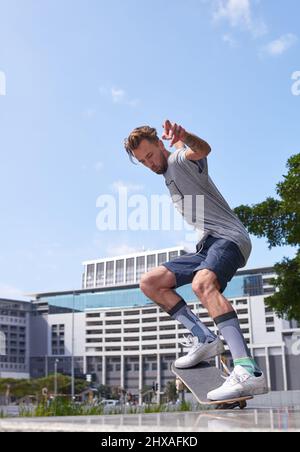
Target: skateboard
x,y
202,379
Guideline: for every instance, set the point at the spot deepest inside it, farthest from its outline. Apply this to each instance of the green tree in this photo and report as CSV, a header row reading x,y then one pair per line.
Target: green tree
x,y
279,221
23,388
105,391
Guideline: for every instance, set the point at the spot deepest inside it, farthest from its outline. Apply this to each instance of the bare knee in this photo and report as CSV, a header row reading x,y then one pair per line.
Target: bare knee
x,y
205,284
157,280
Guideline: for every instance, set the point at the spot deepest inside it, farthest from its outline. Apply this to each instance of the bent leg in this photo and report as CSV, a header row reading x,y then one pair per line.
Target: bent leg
x,y
157,285
207,289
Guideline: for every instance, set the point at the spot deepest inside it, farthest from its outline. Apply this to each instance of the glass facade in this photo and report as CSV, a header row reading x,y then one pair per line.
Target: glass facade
x,y
240,286
112,299
253,285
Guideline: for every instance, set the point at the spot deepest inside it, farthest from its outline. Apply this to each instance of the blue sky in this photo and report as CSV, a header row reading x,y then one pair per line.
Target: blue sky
x,y
80,75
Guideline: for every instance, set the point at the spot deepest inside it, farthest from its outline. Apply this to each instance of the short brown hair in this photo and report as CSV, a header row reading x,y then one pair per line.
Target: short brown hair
x,y
137,136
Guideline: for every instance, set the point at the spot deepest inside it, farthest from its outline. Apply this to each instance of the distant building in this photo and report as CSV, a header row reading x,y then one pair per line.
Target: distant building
x,y
123,339
14,338
116,271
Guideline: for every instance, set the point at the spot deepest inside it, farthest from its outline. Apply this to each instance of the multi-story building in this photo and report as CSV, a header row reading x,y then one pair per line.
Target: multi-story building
x,y
14,338
120,337
56,338
123,270
125,340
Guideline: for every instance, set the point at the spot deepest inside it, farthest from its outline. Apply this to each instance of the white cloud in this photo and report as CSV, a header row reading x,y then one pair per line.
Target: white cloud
x,y
280,45
11,292
239,14
119,96
230,40
120,185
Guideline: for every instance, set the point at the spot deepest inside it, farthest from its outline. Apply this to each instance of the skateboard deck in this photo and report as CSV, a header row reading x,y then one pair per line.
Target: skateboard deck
x,y
204,378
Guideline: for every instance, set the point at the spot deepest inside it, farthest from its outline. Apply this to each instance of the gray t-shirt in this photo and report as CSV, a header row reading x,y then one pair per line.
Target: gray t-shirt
x,y
185,178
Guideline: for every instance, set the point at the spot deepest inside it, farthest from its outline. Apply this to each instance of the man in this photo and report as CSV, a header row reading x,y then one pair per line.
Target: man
x,y
224,248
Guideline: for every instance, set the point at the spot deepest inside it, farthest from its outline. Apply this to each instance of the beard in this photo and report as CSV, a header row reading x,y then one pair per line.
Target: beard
x,y
163,166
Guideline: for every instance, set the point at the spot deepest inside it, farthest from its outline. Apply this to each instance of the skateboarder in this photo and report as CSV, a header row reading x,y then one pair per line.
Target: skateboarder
x,y
225,246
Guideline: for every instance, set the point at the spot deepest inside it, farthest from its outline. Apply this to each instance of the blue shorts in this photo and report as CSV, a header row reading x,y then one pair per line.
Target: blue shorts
x,y
221,256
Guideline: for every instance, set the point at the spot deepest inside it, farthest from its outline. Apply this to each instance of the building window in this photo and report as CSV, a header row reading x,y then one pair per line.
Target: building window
x,y
270,330
269,290
2,343
58,339
90,275
109,273
270,320
269,281
100,275
253,285
130,270
120,266
140,267
162,258
151,262
173,255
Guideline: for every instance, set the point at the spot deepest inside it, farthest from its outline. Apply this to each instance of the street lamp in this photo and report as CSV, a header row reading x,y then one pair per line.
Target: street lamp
x,y
72,359
75,294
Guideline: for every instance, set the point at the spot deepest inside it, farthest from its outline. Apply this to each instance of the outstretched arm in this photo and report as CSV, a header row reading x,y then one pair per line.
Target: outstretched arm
x,y
197,148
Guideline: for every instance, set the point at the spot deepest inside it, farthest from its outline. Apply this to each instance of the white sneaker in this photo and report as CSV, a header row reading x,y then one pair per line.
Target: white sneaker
x,y
199,352
240,384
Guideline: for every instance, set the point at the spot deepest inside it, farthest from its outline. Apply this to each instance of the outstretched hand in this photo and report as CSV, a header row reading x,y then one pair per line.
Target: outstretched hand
x,y
173,132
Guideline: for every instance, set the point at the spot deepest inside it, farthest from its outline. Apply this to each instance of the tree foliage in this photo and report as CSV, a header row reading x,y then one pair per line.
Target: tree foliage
x,y
278,220
33,387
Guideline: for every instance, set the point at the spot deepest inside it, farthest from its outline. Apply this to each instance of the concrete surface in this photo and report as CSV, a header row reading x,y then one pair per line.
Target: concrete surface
x,y
206,421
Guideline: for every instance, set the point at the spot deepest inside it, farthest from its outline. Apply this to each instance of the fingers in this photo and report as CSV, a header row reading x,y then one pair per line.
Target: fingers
x,y
173,132
168,127
177,133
